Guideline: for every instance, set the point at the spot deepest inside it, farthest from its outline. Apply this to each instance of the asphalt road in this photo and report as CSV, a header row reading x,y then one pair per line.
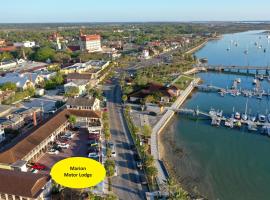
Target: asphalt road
x,y
126,185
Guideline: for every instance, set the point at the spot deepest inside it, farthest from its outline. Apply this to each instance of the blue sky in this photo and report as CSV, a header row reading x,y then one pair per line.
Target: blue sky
x,y
132,10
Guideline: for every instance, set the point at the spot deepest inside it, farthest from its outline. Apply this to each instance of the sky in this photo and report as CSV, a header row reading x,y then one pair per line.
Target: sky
x,y
23,11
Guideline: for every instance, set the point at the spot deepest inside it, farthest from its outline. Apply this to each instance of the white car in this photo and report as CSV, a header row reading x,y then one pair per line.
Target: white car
x,y
112,147
53,151
63,145
93,155
34,171
115,171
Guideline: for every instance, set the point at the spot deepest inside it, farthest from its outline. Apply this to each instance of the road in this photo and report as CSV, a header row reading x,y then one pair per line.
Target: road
x,y
126,185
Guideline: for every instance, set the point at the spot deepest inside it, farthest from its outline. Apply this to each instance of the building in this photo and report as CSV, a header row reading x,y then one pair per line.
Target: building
x,y
15,185
2,135
80,84
27,44
2,42
90,43
7,49
22,81
37,141
165,94
83,103
146,54
7,65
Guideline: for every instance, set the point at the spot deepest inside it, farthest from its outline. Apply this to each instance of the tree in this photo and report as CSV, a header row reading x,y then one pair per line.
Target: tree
x,y
61,57
149,160
110,167
151,172
146,131
43,54
8,86
72,119
124,98
5,56
72,91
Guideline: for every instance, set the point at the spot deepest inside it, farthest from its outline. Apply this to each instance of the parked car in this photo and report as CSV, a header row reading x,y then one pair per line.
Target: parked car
x,y
34,171
93,155
139,164
68,135
93,142
38,166
94,137
53,151
63,145
115,171
112,147
137,157
143,180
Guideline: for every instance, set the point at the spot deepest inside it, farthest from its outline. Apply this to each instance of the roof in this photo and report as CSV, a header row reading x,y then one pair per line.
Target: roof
x,y
7,48
90,37
40,133
152,88
80,101
79,76
23,184
74,48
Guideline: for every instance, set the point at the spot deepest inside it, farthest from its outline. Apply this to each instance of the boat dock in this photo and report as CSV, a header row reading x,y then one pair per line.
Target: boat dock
x,y
218,116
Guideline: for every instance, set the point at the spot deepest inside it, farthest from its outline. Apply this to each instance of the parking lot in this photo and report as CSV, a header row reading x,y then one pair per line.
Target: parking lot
x,y
78,146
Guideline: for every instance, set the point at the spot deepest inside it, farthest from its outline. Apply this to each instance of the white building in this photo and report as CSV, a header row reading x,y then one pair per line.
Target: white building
x,y
27,44
2,135
90,43
146,54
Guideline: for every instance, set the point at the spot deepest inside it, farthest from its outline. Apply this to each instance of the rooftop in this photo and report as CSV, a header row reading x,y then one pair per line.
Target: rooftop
x,y
40,133
23,184
80,101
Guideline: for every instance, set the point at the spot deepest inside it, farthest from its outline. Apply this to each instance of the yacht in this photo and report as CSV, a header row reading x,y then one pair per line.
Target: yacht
x,y
244,117
252,118
266,130
254,82
238,80
237,115
229,122
262,118
252,127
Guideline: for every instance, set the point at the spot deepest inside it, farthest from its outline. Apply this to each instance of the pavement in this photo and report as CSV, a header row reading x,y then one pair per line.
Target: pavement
x,y
126,185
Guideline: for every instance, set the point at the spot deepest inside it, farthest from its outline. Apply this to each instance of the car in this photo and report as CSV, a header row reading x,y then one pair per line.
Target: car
x,y
34,171
53,151
94,137
115,171
62,141
137,157
93,155
63,145
93,142
68,135
139,164
38,166
143,180
30,164
112,147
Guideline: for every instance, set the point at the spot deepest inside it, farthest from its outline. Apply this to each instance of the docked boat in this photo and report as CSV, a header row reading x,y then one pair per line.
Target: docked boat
x,y
268,117
262,118
254,82
252,127
264,50
261,77
238,80
237,115
244,117
252,118
238,124
266,130
229,122
212,112
216,121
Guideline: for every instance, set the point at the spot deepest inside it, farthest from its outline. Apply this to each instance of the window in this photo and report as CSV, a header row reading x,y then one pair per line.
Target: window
x,y
2,196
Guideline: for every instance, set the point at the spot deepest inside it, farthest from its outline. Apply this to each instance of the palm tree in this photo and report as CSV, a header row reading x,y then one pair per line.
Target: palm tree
x,y
151,172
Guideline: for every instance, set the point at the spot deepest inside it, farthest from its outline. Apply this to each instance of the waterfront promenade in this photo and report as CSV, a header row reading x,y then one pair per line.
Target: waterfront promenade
x,y
161,125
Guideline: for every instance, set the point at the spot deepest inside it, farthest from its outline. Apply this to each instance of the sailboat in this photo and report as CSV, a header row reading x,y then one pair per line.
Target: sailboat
x,y
245,116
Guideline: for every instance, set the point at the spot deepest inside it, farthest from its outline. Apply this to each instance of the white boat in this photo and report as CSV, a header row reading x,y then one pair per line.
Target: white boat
x,y
268,117
266,130
252,127
262,118
229,122
252,118
237,115
244,117
254,81
238,80
212,112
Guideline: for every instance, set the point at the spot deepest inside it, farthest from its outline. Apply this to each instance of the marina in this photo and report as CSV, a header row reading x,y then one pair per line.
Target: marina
x,y
222,128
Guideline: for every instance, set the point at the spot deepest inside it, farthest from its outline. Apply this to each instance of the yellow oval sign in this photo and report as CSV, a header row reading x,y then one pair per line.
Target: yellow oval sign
x,y
78,172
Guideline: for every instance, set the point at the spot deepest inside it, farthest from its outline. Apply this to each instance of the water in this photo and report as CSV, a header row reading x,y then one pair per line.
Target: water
x,y
224,163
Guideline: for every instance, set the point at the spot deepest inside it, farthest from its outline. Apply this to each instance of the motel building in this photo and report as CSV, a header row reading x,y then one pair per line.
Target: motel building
x,y
13,161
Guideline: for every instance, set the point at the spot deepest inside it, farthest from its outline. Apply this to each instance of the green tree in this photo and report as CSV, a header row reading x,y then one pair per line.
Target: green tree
x,y
124,98
8,86
44,53
146,131
110,167
72,119
5,56
151,172
149,160
72,91
61,57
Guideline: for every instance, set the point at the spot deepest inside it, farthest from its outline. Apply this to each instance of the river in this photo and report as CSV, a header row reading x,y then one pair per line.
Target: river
x,y
222,163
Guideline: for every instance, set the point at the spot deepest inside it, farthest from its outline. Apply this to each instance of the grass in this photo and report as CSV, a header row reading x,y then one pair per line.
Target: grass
x,y
183,82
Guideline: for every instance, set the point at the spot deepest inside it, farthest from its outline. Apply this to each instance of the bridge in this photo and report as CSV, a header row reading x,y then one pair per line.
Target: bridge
x,y
237,68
